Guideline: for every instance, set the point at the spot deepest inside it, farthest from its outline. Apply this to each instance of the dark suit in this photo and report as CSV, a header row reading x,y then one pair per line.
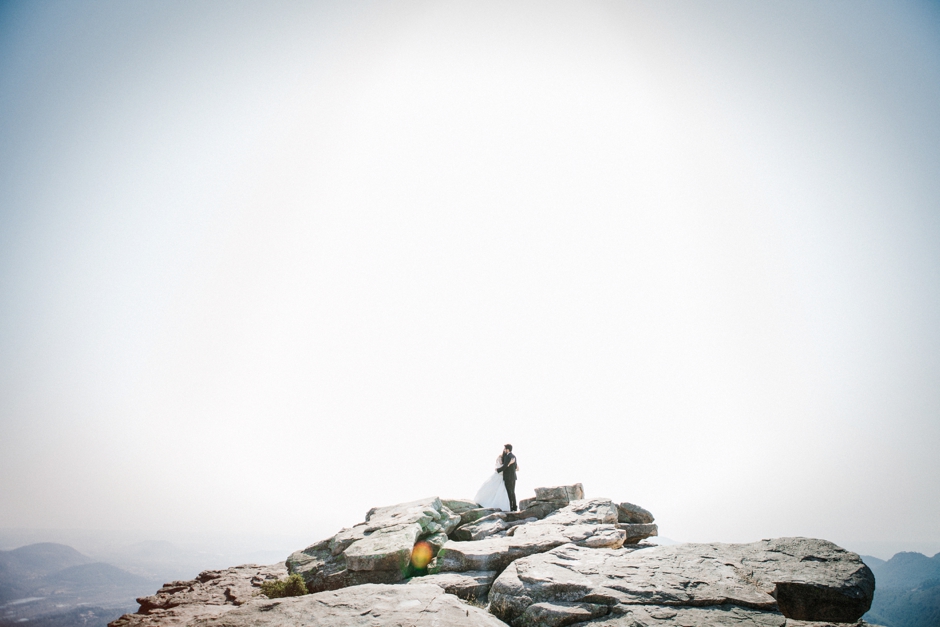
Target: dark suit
x,y
508,468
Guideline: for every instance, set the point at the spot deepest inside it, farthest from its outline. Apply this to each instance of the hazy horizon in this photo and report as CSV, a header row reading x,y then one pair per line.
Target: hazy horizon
x,y
264,548
265,266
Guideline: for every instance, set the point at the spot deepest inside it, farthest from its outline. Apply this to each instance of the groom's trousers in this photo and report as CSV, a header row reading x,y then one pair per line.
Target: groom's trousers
x,y
511,489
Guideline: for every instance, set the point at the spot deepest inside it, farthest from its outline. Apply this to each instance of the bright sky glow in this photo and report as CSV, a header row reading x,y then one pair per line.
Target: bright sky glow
x,y
264,265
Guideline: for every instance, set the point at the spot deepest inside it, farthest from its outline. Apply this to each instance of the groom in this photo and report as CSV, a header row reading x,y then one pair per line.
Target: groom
x,y
508,468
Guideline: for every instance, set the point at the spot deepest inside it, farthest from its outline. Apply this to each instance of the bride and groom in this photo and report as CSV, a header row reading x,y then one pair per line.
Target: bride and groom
x,y
499,491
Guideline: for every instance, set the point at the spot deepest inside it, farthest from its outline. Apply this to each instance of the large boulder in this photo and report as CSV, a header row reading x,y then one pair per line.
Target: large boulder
x,y
636,532
550,499
383,550
630,513
812,580
560,493
804,579
377,550
361,606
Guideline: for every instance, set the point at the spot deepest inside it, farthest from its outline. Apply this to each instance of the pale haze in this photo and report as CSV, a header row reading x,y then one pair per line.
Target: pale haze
x,y
264,266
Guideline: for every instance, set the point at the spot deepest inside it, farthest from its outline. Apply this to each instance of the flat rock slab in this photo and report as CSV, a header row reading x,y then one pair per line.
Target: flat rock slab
x,y
459,506
813,580
713,616
585,511
470,586
489,554
594,536
497,553
370,605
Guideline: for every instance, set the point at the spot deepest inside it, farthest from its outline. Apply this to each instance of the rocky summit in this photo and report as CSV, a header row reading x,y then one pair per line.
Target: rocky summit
x,y
562,560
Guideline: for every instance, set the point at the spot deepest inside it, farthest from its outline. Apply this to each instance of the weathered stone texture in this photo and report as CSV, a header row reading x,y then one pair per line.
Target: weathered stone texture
x,y
823,581
211,593
471,586
630,513
369,605
377,550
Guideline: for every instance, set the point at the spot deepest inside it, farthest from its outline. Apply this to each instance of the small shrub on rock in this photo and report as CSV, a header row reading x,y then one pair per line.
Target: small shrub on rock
x,y
293,586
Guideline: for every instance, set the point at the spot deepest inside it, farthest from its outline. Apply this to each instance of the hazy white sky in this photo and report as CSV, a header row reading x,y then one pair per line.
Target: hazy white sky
x,y
267,266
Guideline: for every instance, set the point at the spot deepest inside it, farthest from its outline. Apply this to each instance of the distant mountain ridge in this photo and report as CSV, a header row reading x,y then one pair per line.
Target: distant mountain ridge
x,y
42,583
907,592
904,570
21,568
40,559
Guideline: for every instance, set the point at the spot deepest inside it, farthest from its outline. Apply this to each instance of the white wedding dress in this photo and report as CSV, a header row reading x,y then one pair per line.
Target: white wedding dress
x,y
493,494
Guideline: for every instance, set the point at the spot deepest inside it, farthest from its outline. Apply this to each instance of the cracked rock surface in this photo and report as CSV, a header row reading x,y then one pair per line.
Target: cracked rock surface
x,y
361,606
591,523
211,593
798,578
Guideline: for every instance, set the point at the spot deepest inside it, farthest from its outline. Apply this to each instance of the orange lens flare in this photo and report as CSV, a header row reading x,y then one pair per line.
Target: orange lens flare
x,y
421,555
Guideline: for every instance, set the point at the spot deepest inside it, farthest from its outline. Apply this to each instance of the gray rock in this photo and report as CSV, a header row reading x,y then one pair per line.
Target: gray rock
x,y
812,579
383,550
637,532
630,513
560,493
489,554
589,535
483,528
473,515
437,541
361,606
590,523
585,511
557,614
536,509
211,593
495,553
459,506
711,616
376,551
430,514
320,568
512,525
494,525
470,586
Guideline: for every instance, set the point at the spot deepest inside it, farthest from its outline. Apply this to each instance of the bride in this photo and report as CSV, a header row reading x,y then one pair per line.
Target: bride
x,y
493,494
